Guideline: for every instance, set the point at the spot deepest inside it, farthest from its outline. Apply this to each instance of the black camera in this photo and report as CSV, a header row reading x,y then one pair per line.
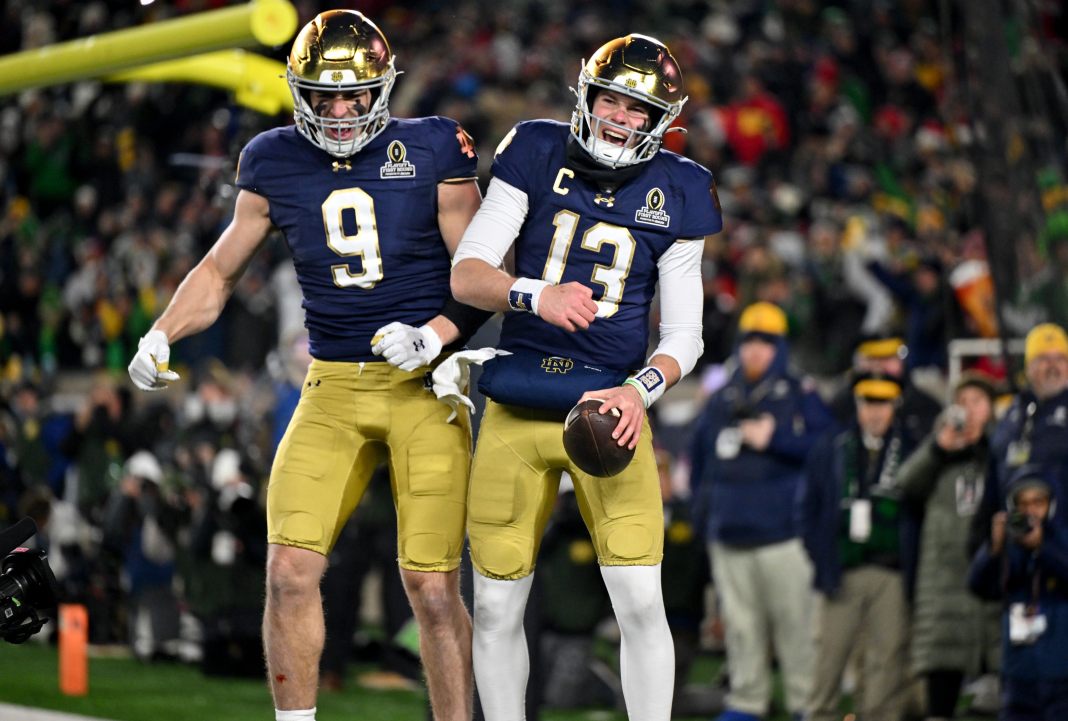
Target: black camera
x,y
744,412
1019,524
27,585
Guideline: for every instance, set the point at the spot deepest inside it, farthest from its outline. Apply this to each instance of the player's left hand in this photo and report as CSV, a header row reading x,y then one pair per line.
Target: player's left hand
x,y
631,409
405,346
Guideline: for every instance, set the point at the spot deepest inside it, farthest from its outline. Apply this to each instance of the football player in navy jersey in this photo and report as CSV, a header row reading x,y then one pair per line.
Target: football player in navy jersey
x,y
599,216
371,208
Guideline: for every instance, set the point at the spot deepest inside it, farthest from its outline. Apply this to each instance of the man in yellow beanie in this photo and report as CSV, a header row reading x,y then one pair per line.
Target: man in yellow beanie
x,y
1046,360
1034,430
748,456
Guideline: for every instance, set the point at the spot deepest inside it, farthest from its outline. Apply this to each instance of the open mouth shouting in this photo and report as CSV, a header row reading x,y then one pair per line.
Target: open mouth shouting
x,y
341,134
615,137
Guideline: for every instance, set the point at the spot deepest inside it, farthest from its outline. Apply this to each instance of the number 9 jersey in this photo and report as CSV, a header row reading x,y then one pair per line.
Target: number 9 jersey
x,y
363,230
609,242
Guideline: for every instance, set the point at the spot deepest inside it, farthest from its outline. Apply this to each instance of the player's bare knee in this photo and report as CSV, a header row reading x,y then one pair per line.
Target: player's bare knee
x,y
292,573
434,596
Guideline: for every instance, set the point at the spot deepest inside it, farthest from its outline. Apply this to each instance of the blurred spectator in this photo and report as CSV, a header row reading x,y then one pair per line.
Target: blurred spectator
x,y
1034,430
1025,563
755,122
102,438
852,520
832,314
65,536
887,354
1051,286
929,306
38,437
288,366
225,581
748,458
953,634
141,524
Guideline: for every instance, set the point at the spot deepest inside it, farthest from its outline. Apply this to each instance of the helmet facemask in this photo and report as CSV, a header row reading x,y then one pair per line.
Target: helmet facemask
x,y
327,132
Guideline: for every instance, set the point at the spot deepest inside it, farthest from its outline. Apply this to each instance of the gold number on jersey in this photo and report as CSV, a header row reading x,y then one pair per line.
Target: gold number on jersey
x,y
363,245
613,277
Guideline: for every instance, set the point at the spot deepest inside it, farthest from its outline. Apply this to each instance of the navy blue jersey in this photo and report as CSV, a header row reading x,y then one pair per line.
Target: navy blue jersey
x,y
363,230
611,243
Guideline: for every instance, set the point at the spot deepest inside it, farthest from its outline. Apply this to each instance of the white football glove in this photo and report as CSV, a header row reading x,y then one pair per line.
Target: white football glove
x,y
148,369
406,347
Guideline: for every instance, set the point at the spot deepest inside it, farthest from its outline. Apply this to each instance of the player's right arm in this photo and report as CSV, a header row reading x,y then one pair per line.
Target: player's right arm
x,y
203,293
478,278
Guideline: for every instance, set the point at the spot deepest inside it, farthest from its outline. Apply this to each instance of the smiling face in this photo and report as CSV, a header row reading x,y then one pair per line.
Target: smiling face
x,y
1047,374
621,110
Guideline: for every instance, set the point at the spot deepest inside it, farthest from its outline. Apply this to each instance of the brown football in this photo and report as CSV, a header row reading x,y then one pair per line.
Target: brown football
x,y
589,443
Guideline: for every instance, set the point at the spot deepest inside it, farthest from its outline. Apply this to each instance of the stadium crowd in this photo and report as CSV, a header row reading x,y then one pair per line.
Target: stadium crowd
x,y
846,172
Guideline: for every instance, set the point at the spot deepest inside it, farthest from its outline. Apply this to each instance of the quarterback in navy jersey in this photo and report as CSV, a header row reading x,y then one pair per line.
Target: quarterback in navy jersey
x,y
599,216
371,208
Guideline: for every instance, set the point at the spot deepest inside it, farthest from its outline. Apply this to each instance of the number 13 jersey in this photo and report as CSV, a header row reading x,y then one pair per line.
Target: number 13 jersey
x,y
609,242
363,230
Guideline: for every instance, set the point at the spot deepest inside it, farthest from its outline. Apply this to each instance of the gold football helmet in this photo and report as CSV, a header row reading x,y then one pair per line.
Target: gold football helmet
x,y
643,68
340,51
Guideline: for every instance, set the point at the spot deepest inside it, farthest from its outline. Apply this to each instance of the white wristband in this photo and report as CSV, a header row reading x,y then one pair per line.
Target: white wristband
x,y
650,383
524,294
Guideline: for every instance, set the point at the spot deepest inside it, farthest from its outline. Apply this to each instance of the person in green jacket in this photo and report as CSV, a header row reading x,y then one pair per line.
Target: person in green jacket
x,y
954,633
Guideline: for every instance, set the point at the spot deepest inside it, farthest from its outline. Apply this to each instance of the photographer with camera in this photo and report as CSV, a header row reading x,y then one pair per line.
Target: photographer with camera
x,y
1034,430
748,458
229,549
953,633
141,525
1026,564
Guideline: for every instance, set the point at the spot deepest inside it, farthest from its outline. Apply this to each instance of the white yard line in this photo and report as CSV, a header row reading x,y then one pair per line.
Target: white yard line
x,y
10,712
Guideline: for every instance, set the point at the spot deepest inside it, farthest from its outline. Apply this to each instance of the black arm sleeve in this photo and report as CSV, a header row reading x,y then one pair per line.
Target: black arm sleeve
x,y
466,318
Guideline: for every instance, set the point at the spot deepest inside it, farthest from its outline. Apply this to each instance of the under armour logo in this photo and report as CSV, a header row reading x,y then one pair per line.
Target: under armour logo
x,y
344,164
419,345
608,200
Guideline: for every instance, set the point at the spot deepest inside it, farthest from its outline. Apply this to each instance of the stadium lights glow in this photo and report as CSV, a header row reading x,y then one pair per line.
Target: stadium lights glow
x,y
147,2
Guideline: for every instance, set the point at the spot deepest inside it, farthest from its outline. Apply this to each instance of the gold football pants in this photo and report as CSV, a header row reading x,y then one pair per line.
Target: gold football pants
x,y
514,482
350,417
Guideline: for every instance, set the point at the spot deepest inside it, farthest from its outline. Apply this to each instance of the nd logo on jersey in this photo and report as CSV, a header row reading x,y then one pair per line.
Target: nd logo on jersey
x,y
396,166
554,364
653,212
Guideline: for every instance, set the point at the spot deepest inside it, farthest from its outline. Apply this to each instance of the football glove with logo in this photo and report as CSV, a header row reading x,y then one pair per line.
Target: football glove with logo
x,y
406,347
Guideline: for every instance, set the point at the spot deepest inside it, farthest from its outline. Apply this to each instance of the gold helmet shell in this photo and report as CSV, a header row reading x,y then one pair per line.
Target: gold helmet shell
x,y
642,68
341,51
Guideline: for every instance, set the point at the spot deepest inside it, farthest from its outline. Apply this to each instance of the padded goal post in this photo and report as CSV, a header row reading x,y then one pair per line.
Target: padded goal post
x,y
123,55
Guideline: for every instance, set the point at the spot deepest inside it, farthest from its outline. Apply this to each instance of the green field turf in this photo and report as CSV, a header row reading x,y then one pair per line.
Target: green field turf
x,y
123,689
